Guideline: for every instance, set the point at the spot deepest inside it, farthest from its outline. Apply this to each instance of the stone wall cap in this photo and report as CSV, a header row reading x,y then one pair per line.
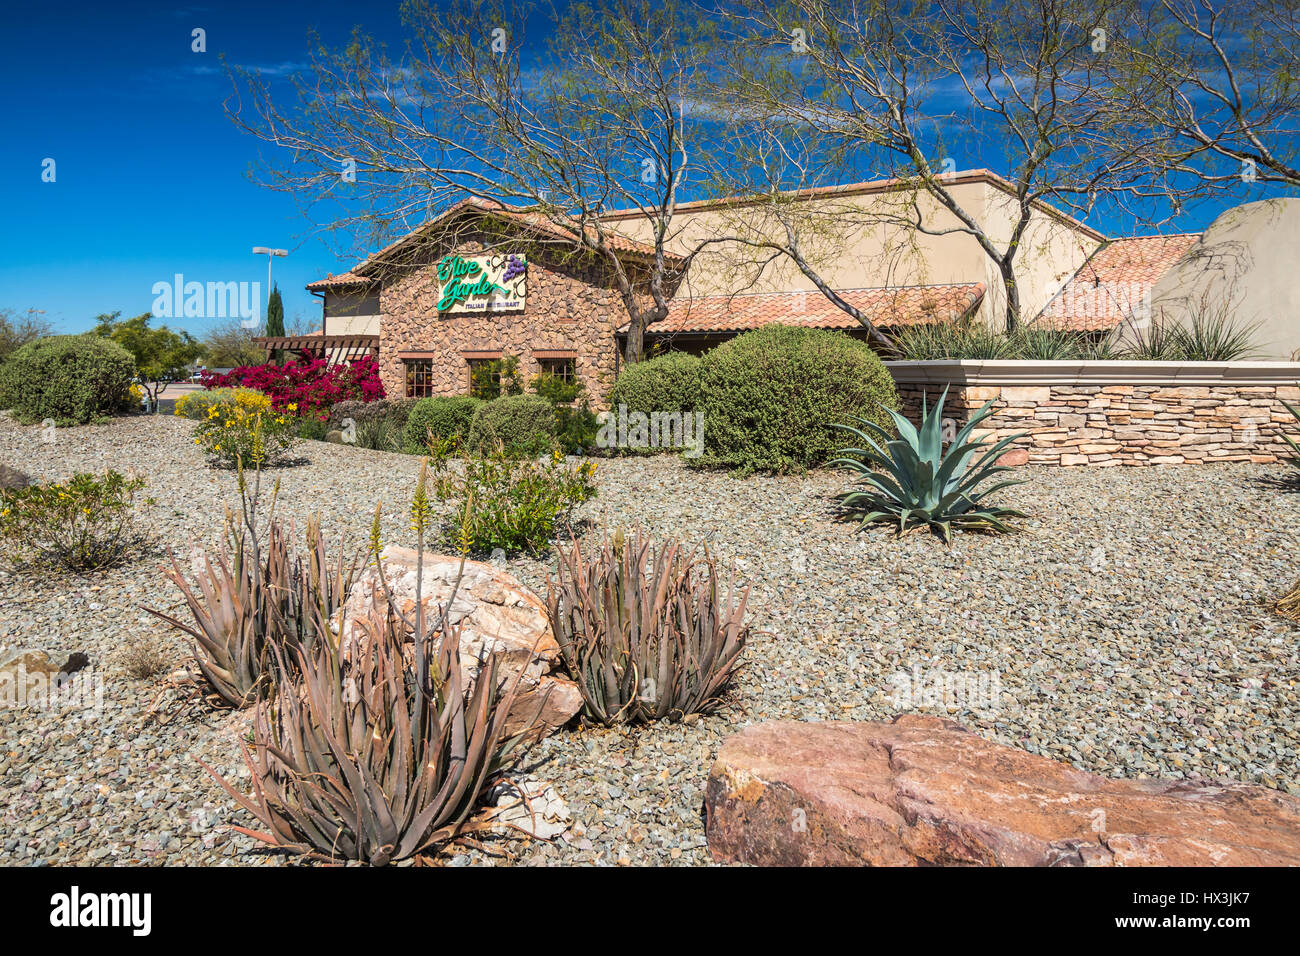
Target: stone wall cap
x,y
1092,372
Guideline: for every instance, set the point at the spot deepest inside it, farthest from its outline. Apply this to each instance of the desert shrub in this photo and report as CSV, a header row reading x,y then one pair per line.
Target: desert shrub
x,y
666,383
395,410
576,424
507,503
144,655
83,524
195,405
442,416
73,379
257,601
645,634
769,397
378,434
246,429
521,425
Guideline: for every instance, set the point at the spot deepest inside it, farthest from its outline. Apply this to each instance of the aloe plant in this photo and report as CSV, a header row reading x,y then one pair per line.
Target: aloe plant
x,y
375,751
913,481
251,598
643,633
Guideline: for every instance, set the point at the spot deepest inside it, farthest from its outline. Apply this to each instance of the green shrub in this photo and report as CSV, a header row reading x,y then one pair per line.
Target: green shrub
x,y
575,423
667,383
312,429
196,405
523,426
378,434
769,397
506,503
442,416
73,379
83,524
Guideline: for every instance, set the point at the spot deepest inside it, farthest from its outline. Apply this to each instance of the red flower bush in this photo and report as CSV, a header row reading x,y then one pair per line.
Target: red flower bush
x,y
311,385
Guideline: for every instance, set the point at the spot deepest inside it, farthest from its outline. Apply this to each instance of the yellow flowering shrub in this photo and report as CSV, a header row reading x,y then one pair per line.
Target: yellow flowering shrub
x,y
244,428
82,524
195,405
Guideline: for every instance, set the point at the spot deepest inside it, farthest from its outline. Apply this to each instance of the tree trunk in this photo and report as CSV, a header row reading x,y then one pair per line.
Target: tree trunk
x,y
1013,295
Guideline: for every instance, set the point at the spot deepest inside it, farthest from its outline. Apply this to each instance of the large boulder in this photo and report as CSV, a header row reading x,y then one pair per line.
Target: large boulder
x,y
926,791
497,617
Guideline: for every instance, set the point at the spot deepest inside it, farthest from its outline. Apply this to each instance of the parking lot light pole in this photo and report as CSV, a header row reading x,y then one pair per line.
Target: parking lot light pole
x,y
270,256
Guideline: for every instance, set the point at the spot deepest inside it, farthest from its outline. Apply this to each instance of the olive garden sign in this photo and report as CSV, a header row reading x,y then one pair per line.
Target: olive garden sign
x,y
482,283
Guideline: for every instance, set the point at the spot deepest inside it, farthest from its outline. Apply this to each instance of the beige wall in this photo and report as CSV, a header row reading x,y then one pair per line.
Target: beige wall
x,y
866,240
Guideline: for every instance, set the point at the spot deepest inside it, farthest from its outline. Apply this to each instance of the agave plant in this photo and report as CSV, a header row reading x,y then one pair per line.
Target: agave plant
x,y
251,599
913,481
644,634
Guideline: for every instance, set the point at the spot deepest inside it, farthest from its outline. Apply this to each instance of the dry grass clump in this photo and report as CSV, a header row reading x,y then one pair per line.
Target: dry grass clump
x,y
146,656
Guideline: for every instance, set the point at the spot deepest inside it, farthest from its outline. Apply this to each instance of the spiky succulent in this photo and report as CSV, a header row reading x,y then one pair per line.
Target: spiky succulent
x,y
1295,458
364,757
911,480
645,634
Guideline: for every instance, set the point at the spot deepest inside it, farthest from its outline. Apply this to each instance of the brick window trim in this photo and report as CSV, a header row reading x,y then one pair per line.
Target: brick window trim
x,y
554,354
403,356
481,354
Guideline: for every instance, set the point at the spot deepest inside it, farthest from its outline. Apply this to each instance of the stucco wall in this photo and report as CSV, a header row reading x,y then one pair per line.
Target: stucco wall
x,y
863,239
569,307
1105,414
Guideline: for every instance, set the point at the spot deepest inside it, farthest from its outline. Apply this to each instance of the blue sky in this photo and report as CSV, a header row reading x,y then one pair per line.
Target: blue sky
x,y
150,174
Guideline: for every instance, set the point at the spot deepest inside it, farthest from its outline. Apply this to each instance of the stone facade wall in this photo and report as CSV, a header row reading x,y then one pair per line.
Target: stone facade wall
x,y
569,308
1107,425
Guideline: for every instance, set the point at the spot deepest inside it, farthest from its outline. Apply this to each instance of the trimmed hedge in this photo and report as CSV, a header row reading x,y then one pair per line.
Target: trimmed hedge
x,y
73,379
523,424
667,383
770,396
446,416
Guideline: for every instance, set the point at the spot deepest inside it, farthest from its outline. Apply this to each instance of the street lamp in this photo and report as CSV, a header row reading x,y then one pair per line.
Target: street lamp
x,y
270,254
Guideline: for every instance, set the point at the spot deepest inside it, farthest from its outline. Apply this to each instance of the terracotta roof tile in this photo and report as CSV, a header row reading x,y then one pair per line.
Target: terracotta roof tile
x,y
900,305
1110,286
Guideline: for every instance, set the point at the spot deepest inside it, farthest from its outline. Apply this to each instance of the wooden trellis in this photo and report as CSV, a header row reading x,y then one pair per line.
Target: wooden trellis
x,y
338,349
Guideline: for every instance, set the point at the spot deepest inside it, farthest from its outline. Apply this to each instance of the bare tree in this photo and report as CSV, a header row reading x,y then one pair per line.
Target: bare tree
x,y
606,119
1218,84
897,87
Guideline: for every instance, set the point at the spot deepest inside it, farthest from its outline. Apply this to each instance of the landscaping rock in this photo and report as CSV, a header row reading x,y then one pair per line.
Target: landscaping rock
x,y
496,616
11,478
926,791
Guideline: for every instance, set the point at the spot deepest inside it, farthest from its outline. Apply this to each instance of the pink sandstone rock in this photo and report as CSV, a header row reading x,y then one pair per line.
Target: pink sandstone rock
x,y
497,616
926,791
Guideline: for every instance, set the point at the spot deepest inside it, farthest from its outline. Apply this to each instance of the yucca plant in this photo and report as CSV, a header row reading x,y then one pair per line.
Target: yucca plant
x,y
913,481
377,752
1294,460
646,634
251,598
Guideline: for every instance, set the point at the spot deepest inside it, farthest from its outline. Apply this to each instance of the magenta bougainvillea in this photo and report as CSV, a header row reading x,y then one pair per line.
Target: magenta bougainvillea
x,y
306,387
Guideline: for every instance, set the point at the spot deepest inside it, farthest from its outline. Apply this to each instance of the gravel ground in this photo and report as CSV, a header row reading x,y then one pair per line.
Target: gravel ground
x,y
1124,628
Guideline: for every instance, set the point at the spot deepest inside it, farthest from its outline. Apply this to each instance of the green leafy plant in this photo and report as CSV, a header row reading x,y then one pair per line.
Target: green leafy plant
x,y
507,503
647,635
83,524
522,426
495,378
666,383
439,416
73,379
255,604
914,481
369,758
575,423
161,355
769,397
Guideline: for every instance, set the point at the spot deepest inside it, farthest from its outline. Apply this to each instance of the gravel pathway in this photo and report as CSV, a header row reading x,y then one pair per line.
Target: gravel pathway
x,y
1123,632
